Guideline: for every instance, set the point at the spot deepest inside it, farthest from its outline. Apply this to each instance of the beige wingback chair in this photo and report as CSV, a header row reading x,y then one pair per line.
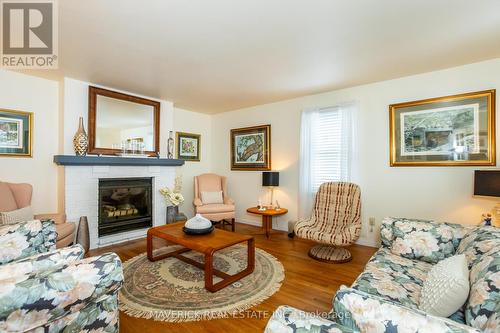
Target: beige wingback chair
x,y
335,221
222,212
17,196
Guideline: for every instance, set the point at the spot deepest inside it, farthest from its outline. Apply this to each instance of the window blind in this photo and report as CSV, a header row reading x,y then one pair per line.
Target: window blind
x,y
325,151
329,159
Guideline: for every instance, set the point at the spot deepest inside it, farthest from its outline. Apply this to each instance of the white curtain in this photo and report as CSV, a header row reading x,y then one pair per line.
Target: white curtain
x,y
326,150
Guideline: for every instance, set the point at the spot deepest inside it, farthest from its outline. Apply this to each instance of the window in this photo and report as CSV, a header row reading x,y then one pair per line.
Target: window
x,y
325,151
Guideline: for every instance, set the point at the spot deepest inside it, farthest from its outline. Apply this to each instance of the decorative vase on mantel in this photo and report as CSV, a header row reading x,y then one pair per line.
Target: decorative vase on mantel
x,y
173,215
81,140
170,145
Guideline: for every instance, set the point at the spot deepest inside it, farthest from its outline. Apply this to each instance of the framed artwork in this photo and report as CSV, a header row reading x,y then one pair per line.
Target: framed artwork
x,y
251,148
456,130
16,128
188,146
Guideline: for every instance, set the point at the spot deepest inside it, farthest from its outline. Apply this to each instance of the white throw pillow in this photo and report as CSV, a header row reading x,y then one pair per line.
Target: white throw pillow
x,y
211,197
16,216
446,288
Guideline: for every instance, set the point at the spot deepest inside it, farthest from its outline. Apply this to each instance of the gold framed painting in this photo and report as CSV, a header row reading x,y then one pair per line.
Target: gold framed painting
x,y
457,130
251,148
188,146
16,133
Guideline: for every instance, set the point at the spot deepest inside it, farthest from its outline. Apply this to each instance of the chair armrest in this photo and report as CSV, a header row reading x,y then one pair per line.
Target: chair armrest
x,y
287,319
45,296
228,201
18,270
58,218
197,202
26,239
389,229
363,312
386,234
49,260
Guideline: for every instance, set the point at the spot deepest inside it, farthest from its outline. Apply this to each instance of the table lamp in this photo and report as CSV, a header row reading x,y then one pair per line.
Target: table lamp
x,y
487,183
271,179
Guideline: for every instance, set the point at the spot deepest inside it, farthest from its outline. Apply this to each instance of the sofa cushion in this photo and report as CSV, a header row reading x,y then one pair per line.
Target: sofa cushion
x,y
425,240
493,323
477,242
35,301
386,233
215,208
212,197
393,277
485,289
16,216
446,287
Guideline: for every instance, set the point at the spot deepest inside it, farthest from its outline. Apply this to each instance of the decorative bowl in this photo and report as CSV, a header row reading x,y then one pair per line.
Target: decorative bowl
x,y
198,222
198,231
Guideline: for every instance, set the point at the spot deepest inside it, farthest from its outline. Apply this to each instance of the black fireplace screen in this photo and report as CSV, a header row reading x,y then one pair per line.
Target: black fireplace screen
x,y
124,204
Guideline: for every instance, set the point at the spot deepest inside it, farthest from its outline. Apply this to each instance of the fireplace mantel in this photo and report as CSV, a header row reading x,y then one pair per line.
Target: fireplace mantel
x,y
115,161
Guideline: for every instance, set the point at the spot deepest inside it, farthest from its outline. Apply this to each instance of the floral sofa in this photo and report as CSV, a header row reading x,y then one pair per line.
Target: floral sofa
x,y
385,297
47,290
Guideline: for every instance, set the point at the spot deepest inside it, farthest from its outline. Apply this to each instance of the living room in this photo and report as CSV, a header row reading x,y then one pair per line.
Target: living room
x,y
333,165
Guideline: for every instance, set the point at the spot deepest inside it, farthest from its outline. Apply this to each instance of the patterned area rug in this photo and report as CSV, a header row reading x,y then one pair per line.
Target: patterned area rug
x,y
171,290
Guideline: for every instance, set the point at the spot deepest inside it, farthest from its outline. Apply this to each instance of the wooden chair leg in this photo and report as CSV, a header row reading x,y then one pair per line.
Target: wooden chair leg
x,y
232,225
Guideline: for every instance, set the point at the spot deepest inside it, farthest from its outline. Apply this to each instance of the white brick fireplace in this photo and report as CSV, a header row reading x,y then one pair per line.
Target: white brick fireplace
x,y
81,196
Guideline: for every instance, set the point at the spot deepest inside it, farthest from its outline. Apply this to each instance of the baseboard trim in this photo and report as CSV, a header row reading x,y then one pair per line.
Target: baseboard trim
x,y
367,242
249,222
256,224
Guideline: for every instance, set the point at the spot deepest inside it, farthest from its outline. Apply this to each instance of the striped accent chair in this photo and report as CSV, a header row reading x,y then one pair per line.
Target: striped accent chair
x,y
335,222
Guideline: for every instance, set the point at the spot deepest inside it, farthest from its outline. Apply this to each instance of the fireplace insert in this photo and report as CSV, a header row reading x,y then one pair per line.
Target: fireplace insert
x,y
124,204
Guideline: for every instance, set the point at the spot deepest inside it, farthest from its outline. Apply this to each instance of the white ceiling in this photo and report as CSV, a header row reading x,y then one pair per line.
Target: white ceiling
x,y
220,55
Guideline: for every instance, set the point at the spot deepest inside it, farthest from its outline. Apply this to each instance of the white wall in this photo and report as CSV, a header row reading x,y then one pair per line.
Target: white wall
x,y
245,186
443,193
76,106
40,96
196,123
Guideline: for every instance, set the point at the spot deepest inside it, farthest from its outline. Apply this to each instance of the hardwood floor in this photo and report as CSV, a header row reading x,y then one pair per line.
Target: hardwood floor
x,y
309,285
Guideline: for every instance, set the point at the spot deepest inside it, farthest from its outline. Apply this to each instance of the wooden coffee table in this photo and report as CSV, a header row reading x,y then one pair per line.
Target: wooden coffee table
x,y
206,244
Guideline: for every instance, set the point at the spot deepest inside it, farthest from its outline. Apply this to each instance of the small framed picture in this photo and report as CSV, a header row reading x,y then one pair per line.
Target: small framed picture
x,y
16,130
251,148
188,146
456,130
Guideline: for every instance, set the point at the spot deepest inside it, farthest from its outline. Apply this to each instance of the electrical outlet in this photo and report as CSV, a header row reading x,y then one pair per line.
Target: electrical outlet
x,y
371,222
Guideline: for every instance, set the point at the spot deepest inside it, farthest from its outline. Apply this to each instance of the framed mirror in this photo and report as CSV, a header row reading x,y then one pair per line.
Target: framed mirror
x,y
121,123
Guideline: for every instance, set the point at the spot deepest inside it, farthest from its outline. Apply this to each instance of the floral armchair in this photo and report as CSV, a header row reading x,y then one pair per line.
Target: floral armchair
x,y
15,196
47,290
386,296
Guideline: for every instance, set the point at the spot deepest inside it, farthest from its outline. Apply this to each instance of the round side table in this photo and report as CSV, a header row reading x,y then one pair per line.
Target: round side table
x,y
267,217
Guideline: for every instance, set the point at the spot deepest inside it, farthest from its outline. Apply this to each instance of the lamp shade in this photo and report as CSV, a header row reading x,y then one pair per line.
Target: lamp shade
x,y
487,183
270,178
